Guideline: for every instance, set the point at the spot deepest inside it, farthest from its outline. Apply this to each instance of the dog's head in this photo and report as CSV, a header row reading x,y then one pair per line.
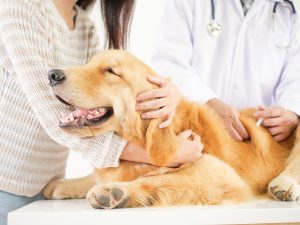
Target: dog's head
x,y
103,94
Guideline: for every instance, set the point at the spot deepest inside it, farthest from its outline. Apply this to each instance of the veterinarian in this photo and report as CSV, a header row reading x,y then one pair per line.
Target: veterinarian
x,y
36,36
233,55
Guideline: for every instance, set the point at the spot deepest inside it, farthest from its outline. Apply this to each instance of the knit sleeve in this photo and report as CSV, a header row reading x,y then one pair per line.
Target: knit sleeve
x,y
27,44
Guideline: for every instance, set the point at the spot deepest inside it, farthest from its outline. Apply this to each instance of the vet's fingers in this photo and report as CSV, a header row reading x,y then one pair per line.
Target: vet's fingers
x,y
156,114
261,108
234,134
167,122
239,127
185,134
276,130
155,93
154,104
272,122
281,137
271,112
157,80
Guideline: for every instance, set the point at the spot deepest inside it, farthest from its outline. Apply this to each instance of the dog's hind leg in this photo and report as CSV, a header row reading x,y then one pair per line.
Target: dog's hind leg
x,y
286,186
209,181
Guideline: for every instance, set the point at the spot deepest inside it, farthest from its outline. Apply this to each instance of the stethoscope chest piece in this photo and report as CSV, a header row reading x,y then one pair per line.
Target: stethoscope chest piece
x,y
214,28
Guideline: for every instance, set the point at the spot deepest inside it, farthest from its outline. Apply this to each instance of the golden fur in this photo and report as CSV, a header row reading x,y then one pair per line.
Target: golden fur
x,y
229,171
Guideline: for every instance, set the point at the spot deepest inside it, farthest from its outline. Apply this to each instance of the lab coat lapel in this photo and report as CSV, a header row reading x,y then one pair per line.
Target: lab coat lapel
x,y
255,8
257,5
239,8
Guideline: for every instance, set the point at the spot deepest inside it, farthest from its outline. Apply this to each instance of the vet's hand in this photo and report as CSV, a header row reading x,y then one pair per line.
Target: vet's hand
x,y
231,118
279,121
163,101
190,149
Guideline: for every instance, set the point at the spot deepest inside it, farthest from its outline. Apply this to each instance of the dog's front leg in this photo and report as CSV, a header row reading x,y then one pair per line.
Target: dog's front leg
x,y
69,188
195,184
160,190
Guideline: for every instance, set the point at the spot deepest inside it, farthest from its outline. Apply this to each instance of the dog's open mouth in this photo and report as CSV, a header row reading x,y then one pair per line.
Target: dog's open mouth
x,y
85,117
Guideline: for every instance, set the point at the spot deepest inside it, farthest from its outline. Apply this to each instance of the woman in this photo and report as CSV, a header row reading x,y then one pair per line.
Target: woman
x,y
36,36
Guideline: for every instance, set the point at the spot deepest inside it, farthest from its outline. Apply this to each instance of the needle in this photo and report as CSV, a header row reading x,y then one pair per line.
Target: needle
x,y
259,122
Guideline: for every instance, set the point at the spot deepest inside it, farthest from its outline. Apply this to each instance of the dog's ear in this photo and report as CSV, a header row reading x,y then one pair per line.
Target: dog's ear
x,y
161,144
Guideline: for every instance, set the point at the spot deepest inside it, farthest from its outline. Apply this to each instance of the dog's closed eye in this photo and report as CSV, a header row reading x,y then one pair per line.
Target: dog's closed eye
x,y
111,71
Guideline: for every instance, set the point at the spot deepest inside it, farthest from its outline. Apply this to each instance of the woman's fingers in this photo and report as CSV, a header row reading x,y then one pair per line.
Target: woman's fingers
x,y
185,134
157,80
160,102
155,93
156,114
196,137
167,122
154,104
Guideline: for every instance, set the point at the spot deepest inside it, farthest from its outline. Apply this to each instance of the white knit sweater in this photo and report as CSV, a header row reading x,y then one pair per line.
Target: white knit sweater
x,y
33,150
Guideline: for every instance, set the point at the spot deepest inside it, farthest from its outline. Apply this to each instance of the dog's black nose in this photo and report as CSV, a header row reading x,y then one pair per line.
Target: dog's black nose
x,y
56,77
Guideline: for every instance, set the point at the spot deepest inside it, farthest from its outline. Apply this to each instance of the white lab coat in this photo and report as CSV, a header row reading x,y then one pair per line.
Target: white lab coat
x,y
242,66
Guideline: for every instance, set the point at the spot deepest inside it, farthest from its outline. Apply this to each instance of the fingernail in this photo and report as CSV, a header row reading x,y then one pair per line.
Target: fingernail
x,y
137,107
144,116
161,126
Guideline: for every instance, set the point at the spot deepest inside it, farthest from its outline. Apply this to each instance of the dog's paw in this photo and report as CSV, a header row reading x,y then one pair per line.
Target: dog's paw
x,y
108,197
59,189
284,188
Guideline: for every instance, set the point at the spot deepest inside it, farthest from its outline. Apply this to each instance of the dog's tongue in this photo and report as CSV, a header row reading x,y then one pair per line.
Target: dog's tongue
x,y
84,113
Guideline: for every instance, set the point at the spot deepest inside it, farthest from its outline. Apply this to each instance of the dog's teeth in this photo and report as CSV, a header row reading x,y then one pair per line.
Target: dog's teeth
x,y
102,110
97,113
92,111
71,118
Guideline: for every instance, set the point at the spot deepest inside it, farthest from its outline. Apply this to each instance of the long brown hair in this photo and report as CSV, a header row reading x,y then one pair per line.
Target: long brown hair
x,y
117,17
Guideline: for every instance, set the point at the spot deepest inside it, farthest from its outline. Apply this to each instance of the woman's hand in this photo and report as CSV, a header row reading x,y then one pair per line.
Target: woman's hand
x,y
231,118
279,121
190,149
162,101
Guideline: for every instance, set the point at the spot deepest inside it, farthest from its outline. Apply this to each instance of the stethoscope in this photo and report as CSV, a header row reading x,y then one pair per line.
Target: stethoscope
x,y
214,28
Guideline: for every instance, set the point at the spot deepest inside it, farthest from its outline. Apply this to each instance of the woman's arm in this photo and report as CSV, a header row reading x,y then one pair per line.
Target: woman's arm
x,y
189,150
24,35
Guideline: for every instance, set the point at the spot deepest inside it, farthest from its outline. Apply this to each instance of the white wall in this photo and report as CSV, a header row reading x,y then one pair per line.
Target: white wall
x,y
144,30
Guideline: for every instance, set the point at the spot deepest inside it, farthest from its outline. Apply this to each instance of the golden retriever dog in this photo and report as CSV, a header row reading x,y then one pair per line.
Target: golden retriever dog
x,y
104,92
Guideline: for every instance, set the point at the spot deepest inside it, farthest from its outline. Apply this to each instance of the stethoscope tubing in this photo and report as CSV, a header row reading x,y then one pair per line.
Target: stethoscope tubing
x,y
214,27
277,3
213,8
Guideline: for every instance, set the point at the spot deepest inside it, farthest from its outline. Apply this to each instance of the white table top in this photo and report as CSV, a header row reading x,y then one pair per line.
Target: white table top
x,y
79,212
